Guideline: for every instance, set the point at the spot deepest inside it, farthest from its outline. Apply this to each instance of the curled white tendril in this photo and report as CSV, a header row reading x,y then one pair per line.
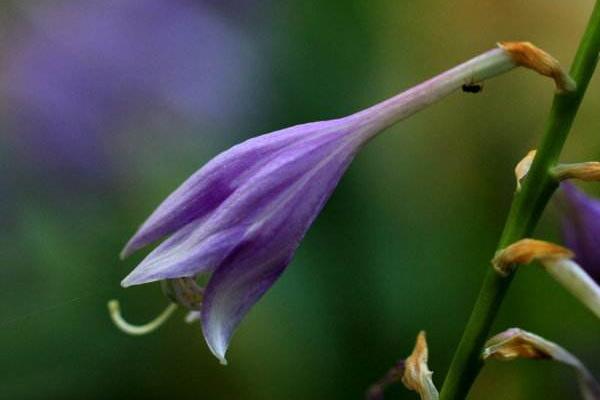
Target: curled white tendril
x,y
114,310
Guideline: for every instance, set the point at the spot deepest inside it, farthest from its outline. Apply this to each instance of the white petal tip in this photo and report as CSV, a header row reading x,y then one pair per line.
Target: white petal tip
x,y
220,353
128,250
138,277
220,357
128,281
123,254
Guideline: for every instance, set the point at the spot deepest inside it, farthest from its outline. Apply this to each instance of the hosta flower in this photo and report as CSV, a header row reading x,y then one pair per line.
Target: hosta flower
x,y
241,217
581,228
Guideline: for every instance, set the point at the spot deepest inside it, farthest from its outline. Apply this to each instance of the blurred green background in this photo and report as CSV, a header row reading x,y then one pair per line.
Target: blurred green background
x,y
403,244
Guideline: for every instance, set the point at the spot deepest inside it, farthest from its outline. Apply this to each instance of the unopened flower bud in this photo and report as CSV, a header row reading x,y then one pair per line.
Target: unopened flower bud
x,y
417,376
413,372
522,168
516,343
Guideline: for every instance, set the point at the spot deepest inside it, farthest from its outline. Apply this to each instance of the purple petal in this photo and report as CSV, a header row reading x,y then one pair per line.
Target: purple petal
x,y
268,192
209,187
189,252
275,233
230,294
581,229
203,243
204,191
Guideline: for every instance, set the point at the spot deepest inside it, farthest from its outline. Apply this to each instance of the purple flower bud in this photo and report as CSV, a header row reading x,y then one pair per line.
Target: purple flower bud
x,y
581,228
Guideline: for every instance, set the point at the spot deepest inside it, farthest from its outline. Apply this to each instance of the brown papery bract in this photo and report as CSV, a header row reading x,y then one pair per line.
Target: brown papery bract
x,y
525,251
530,56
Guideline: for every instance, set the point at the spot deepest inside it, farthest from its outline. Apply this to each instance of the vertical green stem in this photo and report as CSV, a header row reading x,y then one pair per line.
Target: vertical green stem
x,y
524,214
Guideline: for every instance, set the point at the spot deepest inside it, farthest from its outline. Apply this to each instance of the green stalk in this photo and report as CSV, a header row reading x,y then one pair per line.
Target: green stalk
x,y
525,211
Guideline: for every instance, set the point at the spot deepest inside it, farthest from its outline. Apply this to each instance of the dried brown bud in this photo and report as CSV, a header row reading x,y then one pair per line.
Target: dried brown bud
x,y
557,262
586,171
417,376
529,56
525,251
517,343
523,166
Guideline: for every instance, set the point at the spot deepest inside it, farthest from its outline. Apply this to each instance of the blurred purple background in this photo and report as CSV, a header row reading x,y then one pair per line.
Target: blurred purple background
x,y
78,74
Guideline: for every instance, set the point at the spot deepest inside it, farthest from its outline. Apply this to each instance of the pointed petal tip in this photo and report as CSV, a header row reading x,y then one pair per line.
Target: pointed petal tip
x,y
130,280
130,247
137,278
218,350
217,343
124,254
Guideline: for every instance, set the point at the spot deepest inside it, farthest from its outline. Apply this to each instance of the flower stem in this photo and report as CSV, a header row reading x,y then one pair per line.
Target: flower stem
x,y
507,56
526,208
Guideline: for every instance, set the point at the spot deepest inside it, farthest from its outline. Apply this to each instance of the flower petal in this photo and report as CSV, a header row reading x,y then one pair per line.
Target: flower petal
x,y
187,253
233,290
581,229
205,190
202,244
244,276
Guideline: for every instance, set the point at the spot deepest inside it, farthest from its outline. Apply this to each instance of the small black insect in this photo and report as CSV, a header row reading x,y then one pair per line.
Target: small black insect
x,y
472,88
